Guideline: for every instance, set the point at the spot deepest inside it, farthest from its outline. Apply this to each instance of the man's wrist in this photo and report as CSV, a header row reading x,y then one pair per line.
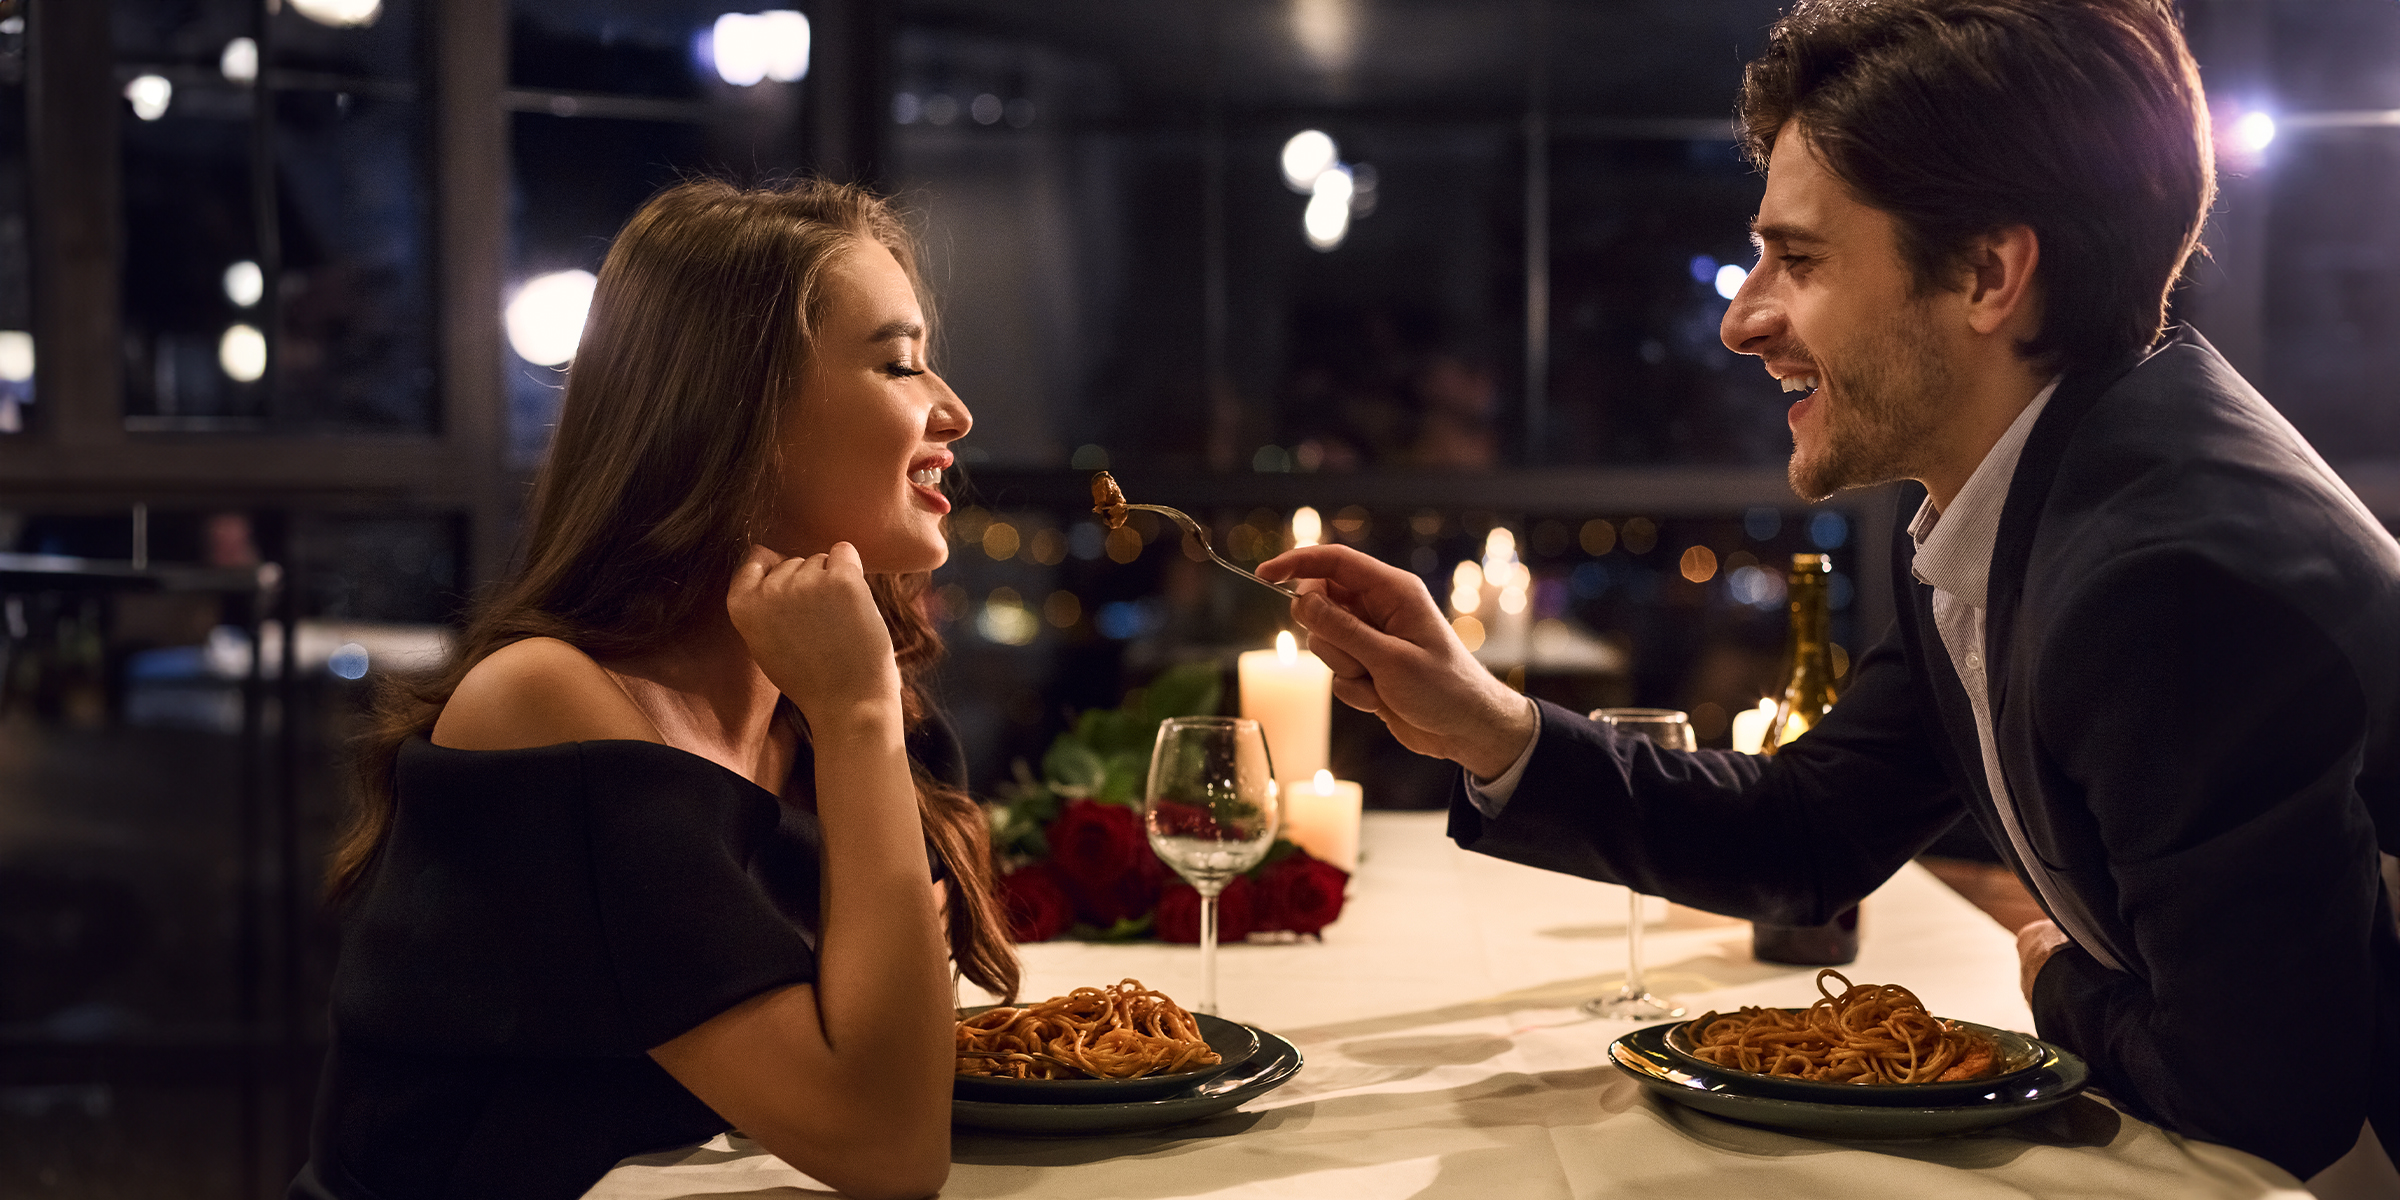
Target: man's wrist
x,y
1518,722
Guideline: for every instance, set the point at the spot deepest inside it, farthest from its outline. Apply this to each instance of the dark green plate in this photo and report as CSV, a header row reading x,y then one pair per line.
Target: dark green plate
x,y
2019,1056
1643,1055
1233,1044
1275,1062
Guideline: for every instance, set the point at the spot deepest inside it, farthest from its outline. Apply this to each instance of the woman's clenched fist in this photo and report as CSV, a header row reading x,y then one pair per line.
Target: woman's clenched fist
x,y
812,626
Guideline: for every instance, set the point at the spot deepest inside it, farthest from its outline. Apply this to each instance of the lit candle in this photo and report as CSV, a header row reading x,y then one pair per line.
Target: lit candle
x,y
1322,817
1290,694
1750,726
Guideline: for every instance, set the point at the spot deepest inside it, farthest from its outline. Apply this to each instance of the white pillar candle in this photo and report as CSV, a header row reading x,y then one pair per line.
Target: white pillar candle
x,y
1750,726
1322,817
1289,692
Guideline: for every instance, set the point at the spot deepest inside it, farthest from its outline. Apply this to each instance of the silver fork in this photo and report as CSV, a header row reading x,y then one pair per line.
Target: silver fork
x,y
1192,527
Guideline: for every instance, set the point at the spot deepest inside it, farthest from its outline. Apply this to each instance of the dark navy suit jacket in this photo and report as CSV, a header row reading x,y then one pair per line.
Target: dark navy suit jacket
x,y
2194,639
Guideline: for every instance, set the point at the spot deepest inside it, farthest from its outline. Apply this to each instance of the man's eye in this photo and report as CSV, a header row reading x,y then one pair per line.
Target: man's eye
x,y
902,371
1795,261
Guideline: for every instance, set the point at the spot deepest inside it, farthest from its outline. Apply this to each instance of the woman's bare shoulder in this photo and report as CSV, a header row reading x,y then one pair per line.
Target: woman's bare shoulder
x,y
538,692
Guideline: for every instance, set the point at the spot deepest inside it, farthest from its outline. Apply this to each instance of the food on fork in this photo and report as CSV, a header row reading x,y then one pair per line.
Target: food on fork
x,y
1123,1031
1108,500
1870,1034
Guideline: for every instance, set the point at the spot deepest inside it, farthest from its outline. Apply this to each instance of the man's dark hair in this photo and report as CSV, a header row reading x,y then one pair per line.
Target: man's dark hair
x,y
2081,119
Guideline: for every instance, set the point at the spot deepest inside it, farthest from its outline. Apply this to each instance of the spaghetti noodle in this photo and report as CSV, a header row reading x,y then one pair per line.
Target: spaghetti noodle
x,y
1870,1034
1124,1031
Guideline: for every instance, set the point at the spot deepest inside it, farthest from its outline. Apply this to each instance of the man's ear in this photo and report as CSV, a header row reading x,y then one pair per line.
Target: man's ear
x,y
2000,287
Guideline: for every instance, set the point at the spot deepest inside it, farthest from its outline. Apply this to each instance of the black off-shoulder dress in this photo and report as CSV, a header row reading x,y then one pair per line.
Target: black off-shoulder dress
x,y
537,921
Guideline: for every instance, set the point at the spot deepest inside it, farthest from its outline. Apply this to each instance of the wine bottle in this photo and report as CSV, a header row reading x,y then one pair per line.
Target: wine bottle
x,y
1808,694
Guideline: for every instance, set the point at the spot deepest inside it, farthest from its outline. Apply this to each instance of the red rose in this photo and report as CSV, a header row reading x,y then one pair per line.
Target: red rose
x,y
1129,895
1094,843
1037,906
1179,913
1301,893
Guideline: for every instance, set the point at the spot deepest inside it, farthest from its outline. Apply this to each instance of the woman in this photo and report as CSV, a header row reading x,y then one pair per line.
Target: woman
x,y
651,861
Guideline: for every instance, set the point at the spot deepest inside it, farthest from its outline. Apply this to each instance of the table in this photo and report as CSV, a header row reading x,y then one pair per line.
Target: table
x,y
1447,1058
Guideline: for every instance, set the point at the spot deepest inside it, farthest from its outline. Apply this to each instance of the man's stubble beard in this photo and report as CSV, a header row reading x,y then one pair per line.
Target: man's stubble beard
x,y
1879,416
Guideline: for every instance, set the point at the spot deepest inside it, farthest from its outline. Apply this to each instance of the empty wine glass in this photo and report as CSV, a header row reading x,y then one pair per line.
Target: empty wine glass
x,y
1671,730
1211,810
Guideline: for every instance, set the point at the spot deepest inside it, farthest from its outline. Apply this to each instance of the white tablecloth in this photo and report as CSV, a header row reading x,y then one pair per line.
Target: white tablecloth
x,y
1447,1058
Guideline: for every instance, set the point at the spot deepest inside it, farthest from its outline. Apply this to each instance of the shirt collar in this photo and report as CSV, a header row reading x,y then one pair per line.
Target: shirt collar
x,y
1954,546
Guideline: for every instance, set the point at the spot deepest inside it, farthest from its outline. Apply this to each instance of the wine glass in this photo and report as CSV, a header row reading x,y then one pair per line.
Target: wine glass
x,y
1211,810
1671,730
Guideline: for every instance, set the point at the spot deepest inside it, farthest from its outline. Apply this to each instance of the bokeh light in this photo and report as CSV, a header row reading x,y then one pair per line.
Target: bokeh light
x,y
242,352
1327,218
545,318
238,62
746,48
341,14
16,356
1006,620
150,95
245,284
1306,155
2254,131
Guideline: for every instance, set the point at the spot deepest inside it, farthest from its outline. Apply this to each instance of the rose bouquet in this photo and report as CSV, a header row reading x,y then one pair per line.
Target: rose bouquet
x,y
1076,858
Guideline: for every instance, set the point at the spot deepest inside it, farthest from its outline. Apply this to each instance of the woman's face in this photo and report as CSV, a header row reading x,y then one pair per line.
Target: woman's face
x,y
867,438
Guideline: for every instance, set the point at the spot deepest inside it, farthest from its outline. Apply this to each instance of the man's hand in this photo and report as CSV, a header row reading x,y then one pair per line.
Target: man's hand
x,y
1393,655
2035,944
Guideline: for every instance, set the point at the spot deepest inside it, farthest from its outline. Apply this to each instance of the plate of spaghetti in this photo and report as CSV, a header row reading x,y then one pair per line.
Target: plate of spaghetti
x,y
1863,1044
1094,1045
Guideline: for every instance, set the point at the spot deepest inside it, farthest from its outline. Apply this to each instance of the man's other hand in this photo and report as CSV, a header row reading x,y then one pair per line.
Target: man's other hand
x,y
1393,655
2035,944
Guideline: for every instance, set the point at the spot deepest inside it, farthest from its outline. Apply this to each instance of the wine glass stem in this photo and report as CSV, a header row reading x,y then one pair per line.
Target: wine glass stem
x,y
1208,953
1633,945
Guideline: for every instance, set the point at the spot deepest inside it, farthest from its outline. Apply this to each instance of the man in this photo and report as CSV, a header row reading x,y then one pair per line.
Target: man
x,y
2147,639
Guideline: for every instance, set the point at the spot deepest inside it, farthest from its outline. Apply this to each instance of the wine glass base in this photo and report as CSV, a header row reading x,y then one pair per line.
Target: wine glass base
x,y
1635,1007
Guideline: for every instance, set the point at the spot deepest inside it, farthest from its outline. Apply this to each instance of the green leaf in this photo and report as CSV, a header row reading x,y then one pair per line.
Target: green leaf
x,y
1121,731
1072,767
1185,690
1125,930
1128,775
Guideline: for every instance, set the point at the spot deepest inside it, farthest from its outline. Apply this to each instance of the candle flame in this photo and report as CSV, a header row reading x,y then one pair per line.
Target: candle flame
x,y
1307,527
1324,783
1287,649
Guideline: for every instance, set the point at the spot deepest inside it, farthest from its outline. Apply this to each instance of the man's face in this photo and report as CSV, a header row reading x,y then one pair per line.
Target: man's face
x,y
1831,311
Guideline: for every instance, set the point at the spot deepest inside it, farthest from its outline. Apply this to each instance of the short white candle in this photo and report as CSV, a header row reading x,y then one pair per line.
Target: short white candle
x,y
1322,817
1289,692
1750,726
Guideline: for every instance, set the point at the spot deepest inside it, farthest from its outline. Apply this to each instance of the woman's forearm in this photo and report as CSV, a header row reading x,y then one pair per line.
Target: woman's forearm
x,y
881,978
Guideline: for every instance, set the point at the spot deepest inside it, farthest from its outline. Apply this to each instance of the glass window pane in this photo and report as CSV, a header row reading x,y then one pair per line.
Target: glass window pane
x,y
354,225
193,287
651,48
297,297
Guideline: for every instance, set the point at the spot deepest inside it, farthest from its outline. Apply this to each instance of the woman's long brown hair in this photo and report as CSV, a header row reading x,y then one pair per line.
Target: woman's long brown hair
x,y
665,448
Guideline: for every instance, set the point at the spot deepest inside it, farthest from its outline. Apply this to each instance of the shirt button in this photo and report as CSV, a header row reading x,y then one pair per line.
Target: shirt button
x,y
1974,660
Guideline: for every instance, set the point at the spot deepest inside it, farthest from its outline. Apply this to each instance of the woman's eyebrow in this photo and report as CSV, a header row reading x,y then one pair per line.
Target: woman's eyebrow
x,y
903,328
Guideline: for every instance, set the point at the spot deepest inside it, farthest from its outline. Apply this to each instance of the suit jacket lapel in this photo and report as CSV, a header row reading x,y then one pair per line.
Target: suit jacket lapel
x,y
2020,515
